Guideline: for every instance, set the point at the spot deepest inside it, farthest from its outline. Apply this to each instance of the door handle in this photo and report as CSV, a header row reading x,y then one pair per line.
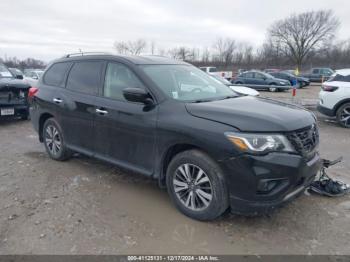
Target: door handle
x,y
57,100
101,112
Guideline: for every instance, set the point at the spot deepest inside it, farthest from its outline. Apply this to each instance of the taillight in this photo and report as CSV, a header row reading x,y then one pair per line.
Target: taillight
x,y
32,92
329,88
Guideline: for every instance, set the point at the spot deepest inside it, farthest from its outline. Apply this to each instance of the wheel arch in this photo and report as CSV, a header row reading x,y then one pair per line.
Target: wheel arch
x,y
42,120
340,103
169,154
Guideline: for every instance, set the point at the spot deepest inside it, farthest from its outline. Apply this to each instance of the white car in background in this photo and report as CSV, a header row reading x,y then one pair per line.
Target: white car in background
x,y
335,97
242,90
32,76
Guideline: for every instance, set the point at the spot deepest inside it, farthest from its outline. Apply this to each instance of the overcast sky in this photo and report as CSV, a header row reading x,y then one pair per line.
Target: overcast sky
x,y
47,29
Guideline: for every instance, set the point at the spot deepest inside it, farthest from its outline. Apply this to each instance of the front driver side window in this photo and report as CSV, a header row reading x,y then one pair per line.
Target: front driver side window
x,y
119,77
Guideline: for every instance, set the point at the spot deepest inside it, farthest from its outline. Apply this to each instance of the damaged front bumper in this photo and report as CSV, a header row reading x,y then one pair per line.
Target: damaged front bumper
x,y
259,184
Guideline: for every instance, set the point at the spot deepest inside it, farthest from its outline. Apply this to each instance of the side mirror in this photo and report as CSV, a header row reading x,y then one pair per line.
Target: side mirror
x,y
19,77
137,95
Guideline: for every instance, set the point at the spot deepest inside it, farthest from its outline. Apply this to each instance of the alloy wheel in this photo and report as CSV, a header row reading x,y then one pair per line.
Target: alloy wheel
x,y
272,89
345,116
192,187
53,140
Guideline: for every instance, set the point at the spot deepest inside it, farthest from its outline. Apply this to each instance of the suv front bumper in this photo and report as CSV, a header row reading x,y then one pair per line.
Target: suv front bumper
x,y
259,184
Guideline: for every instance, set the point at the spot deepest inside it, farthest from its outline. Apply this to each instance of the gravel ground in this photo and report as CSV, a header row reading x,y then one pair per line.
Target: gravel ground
x,y
306,96
84,206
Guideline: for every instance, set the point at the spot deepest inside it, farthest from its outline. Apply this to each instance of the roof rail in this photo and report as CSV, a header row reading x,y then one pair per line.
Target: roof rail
x,y
86,53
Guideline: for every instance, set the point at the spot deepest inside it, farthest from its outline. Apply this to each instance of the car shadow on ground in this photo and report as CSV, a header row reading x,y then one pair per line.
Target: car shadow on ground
x,y
10,121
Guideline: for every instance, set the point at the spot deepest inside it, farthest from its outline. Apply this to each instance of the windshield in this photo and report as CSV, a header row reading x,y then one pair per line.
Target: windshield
x,y
187,83
4,72
221,80
267,75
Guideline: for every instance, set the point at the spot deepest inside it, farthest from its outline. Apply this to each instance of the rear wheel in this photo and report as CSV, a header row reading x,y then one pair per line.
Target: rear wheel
x,y
54,141
196,185
343,115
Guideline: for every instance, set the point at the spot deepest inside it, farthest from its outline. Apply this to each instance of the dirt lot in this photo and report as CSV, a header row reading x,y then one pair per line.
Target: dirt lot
x,y
84,206
306,96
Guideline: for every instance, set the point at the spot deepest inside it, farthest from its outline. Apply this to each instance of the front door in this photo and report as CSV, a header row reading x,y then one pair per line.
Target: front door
x,y
124,131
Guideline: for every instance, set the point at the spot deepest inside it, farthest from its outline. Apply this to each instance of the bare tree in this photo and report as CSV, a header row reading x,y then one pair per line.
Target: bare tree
x,y
130,47
153,47
299,34
181,53
205,55
225,50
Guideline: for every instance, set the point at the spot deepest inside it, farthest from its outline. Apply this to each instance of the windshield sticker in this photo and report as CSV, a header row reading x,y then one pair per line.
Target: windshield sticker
x,y
175,95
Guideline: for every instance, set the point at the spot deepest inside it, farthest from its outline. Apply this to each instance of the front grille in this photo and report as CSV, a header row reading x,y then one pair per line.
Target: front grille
x,y
305,140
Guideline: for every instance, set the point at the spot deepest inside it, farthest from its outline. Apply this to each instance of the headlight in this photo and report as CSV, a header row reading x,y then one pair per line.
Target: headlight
x,y
260,143
282,83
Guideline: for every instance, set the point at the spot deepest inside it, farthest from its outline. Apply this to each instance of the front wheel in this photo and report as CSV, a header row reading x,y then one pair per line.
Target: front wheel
x,y
273,88
197,186
343,115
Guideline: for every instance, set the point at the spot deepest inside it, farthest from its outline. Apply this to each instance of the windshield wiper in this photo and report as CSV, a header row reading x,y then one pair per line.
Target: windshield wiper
x,y
202,100
228,97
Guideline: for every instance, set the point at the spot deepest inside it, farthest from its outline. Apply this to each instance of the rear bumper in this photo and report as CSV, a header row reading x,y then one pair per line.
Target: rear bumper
x,y
19,110
260,184
325,111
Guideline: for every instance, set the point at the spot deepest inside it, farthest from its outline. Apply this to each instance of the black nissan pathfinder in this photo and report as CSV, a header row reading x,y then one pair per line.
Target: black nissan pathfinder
x,y
210,147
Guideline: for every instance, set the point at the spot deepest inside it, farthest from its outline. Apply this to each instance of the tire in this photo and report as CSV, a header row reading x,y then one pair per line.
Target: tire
x,y
272,88
343,115
56,149
207,206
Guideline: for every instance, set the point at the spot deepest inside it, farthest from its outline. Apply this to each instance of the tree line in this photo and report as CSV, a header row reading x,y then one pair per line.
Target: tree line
x,y
23,63
301,40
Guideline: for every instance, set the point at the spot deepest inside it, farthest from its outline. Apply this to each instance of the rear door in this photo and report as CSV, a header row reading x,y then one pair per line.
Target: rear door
x,y
248,77
124,131
76,104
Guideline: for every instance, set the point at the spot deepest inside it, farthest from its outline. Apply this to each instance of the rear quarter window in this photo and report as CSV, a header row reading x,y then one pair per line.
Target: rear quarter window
x,y
56,74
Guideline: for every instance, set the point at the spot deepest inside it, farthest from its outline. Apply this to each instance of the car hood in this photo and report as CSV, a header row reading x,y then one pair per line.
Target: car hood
x,y
253,114
6,83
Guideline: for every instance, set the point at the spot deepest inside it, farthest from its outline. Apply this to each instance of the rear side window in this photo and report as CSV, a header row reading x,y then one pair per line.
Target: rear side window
x,y
56,74
85,77
316,71
259,76
248,75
